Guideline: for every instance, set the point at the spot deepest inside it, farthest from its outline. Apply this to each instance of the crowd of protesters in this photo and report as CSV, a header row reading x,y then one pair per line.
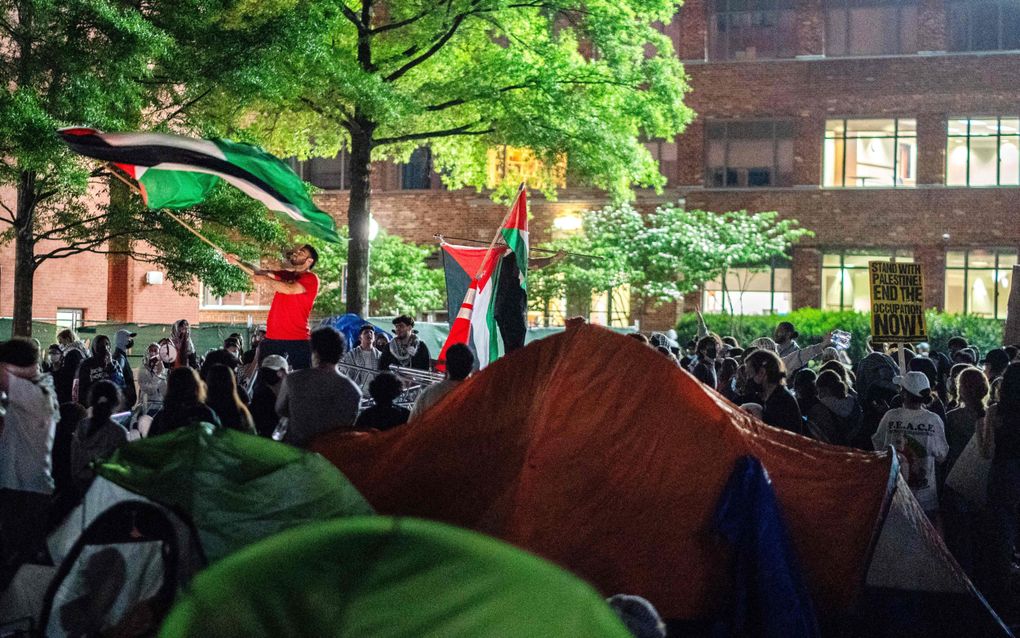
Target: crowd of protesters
x,y
82,401
937,410
928,406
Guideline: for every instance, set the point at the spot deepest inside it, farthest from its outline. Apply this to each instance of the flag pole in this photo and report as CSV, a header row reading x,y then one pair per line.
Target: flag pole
x,y
177,219
441,237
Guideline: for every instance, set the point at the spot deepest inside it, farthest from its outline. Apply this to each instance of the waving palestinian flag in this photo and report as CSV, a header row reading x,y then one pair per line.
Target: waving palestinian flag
x,y
176,172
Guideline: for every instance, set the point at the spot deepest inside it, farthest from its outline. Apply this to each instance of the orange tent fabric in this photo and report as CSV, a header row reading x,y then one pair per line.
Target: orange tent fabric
x,y
592,450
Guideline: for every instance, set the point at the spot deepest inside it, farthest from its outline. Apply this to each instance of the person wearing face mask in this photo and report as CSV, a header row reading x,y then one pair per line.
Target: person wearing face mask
x,y
766,378
152,381
123,341
100,366
294,287
703,367
184,347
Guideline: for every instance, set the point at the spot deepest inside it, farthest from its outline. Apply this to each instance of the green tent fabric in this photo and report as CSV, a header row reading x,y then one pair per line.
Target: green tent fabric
x,y
388,578
237,488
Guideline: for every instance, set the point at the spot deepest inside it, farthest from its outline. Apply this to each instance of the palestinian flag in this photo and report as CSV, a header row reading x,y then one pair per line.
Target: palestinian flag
x,y
515,234
472,274
176,172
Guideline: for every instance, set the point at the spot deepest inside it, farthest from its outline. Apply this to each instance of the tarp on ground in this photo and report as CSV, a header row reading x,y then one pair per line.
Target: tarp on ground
x,y
393,578
592,450
235,487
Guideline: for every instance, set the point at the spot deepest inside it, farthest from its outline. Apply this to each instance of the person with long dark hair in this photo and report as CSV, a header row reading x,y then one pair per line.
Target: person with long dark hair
x,y
1000,438
184,403
225,401
97,436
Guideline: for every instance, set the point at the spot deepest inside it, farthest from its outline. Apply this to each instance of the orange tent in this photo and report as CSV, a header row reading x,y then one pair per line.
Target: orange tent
x,y
592,450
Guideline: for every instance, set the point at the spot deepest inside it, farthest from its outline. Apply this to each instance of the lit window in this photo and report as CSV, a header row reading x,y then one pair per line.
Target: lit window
x,y
983,152
233,301
516,165
752,30
749,154
845,277
328,173
611,308
70,318
984,25
978,281
416,174
872,28
751,291
870,153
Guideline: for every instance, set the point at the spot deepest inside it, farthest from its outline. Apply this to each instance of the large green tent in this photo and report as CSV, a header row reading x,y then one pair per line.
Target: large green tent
x,y
237,488
388,578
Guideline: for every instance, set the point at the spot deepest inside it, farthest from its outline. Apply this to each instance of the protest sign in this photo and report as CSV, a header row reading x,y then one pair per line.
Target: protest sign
x,y
897,302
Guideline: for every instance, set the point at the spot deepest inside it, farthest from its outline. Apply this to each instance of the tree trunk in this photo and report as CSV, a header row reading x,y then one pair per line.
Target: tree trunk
x,y
24,255
358,216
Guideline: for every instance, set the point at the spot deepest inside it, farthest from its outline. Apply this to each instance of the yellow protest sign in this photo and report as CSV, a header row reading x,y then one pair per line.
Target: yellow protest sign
x,y
897,302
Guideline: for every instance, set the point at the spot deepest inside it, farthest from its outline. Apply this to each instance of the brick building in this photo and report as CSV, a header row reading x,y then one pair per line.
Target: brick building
x,y
890,128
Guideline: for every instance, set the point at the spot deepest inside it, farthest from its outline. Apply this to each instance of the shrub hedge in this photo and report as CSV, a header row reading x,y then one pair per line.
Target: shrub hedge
x,y
812,324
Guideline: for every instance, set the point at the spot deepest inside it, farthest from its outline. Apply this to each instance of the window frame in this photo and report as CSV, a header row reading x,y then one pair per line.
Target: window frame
x,y
966,269
846,5
775,174
969,6
775,9
843,253
771,266
303,169
203,306
998,149
895,138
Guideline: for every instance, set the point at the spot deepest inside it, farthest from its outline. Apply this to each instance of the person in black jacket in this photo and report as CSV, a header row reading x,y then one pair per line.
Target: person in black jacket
x,y
385,388
405,350
65,371
766,376
123,341
101,366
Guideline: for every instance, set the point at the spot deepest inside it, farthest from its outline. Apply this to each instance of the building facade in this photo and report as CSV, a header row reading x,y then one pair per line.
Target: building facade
x,y
890,128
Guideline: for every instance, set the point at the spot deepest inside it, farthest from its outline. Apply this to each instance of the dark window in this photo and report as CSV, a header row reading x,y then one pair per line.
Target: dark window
x,y
749,154
984,25
870,27
416,174
753,29
329,173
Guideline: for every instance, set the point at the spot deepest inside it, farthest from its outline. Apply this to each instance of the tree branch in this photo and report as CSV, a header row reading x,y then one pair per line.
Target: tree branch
x,y
75,248
347,119
410,137
188,105
350,15
436,46
53,232
403,23
462,100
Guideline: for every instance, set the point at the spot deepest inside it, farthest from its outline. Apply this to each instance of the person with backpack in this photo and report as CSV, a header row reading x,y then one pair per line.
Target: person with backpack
x,y
97,436
101,366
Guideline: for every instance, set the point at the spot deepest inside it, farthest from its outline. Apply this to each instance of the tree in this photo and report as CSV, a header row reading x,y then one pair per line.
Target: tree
x,y
103,63
666,254
582,80
401,280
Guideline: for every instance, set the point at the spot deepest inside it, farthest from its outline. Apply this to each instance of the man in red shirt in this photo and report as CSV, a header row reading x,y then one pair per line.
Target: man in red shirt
x,y
295,288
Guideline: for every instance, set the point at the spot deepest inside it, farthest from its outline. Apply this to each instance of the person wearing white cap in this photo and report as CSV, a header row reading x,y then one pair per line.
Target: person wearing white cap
x,y
918,436
271,374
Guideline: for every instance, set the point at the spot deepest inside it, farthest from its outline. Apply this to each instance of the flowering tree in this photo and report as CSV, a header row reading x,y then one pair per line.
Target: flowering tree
x,y
666,254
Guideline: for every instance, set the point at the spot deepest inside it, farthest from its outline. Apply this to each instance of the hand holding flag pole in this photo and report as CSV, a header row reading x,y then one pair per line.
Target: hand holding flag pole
x,y
188,227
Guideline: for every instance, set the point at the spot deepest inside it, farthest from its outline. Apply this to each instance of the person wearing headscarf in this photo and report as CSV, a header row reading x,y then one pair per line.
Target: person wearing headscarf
x,y
180,337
